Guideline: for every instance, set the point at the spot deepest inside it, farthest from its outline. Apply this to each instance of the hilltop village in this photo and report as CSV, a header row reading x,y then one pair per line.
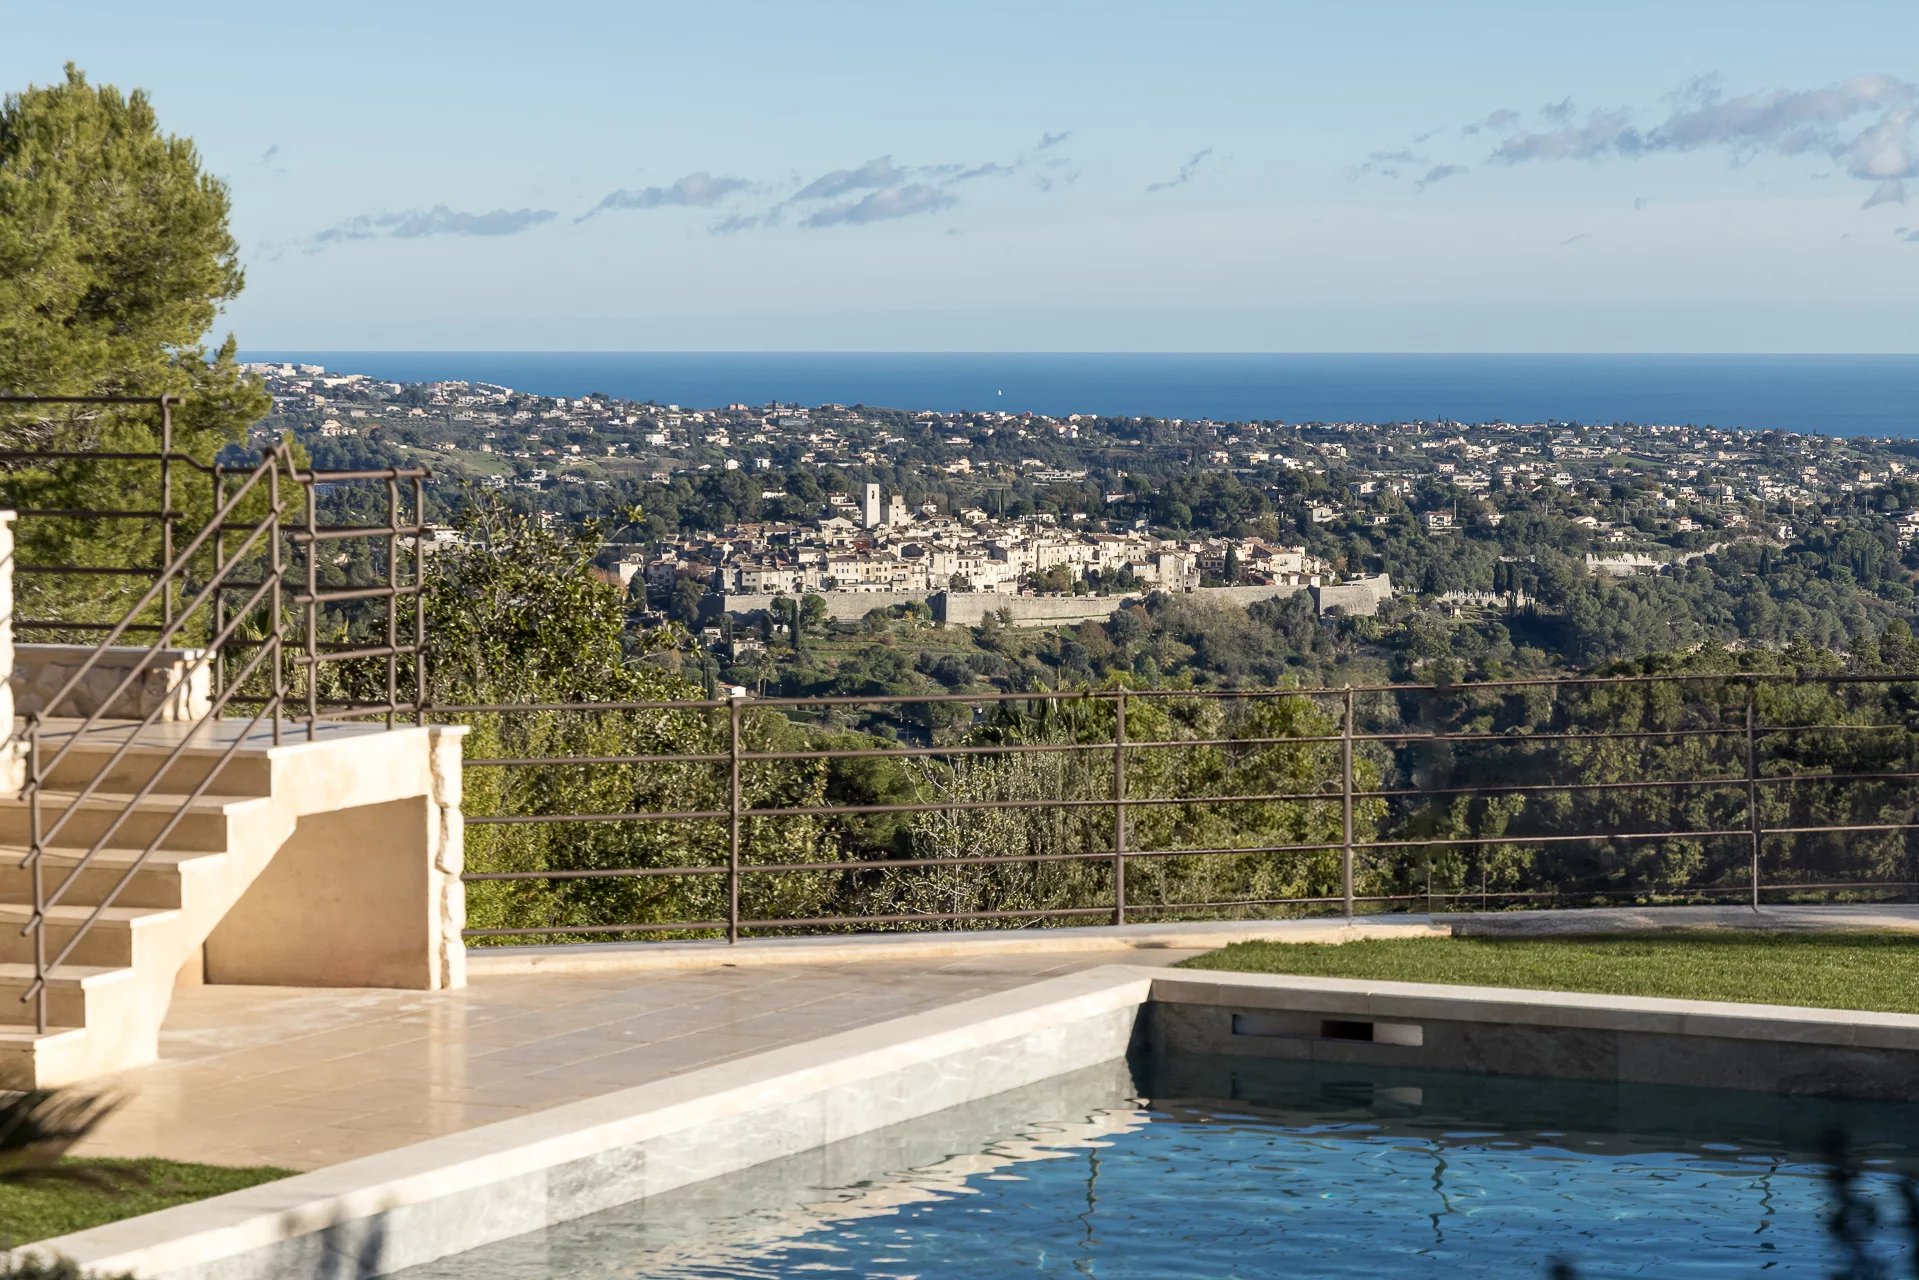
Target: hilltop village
x,y
1058,519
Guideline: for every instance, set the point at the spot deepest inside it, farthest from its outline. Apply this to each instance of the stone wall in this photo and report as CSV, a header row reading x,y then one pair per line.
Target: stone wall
x,y
1243,596
969,608
12,763
966,609
841,606
170,682
1360,599
448,840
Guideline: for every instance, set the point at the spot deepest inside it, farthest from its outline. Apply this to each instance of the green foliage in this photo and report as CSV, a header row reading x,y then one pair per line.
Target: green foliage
x,y
1581,829
114,261
516,616
1056,803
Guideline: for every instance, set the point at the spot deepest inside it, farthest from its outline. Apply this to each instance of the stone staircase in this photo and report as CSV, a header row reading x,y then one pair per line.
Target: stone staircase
x,y
330,862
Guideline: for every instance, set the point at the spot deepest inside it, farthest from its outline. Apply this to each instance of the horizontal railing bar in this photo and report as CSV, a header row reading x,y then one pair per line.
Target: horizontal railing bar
x,y
324,646
910,753
344,532
524,819
524,762
89,513
154,402
355,593
1131,905
489,708
1102,695
345,476
592,873
49,624
712,815
135,571
348,710
1682,891
1860,828
347,655
334,709
815,922
1480,841
695,926
1794,885
1133,800
1024,748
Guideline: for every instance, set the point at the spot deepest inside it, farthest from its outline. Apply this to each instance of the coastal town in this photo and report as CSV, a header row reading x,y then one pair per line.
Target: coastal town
x,y
1054,519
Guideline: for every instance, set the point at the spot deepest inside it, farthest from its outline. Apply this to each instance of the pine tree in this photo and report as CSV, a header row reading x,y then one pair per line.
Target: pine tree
x,y
115,259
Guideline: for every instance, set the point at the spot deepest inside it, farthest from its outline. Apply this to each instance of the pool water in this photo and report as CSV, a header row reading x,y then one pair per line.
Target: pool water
x,y
1213,1169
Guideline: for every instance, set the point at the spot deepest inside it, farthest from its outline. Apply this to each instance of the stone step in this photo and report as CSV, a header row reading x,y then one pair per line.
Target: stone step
x,y
203,824
70,991
238,775
110,942
156,884
29,1057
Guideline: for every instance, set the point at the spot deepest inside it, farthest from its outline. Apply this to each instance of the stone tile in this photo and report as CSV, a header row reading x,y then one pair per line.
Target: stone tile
x,y
305,1078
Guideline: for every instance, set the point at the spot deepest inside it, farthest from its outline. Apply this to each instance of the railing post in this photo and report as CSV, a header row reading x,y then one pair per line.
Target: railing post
x,y
393,596
313,613
276,636
419,600
219,592
733,838
1752,787
38,922
1119,808
1346,806
166,506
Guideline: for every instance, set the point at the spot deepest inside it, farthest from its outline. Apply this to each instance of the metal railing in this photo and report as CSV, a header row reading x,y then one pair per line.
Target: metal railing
x,y
384,641
225,592
1683,787
166,463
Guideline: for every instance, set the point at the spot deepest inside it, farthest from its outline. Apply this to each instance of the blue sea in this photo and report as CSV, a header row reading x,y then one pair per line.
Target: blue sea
x,y
1857,395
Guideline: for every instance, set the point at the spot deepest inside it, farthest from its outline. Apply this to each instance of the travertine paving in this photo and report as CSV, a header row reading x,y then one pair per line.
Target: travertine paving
x,y
304,1078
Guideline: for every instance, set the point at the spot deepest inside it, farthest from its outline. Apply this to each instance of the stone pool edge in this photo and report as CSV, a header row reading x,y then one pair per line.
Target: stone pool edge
x,y
446,1195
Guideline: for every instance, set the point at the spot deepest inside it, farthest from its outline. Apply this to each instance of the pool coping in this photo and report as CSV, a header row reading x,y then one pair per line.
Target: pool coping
x,y
446,1195
641,957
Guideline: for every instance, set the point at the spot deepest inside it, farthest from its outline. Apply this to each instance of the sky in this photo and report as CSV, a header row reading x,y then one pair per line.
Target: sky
x,y
1041,175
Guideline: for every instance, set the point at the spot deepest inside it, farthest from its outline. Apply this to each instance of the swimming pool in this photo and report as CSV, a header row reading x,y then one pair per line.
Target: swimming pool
x,y
1211,1168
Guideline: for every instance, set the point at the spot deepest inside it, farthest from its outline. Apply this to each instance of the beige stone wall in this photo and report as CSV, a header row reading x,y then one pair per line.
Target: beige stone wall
x,y
365,895
12,762
169,681
841,606
448,837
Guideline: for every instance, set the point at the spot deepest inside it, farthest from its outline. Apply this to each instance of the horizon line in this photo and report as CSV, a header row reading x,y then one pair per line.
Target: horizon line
x,y
1111,351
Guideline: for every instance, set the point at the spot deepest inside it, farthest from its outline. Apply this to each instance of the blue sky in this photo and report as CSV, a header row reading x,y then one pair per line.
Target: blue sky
x,y
1042,175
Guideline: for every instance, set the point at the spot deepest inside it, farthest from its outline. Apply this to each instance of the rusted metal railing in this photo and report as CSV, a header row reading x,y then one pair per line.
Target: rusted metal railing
x,y
1369,797
227,579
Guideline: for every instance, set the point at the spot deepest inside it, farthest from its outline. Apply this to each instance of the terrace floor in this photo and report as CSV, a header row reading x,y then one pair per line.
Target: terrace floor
x,y
303,1077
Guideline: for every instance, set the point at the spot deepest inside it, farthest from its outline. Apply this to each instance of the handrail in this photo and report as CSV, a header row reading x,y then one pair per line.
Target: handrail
x,y
1368,815
234,542
172,573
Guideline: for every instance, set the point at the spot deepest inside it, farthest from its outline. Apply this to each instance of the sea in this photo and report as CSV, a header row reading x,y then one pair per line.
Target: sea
x,y
1849,395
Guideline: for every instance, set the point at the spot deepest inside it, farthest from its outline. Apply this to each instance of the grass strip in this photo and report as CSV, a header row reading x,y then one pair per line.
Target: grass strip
x,y
122,1189
1866,970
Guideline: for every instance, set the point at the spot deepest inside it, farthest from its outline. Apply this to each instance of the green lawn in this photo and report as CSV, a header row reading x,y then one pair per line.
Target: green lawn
x,y
1877,971
131,1187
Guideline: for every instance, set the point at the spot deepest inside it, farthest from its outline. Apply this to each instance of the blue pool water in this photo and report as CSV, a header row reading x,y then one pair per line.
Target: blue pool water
x,y
1233,1170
